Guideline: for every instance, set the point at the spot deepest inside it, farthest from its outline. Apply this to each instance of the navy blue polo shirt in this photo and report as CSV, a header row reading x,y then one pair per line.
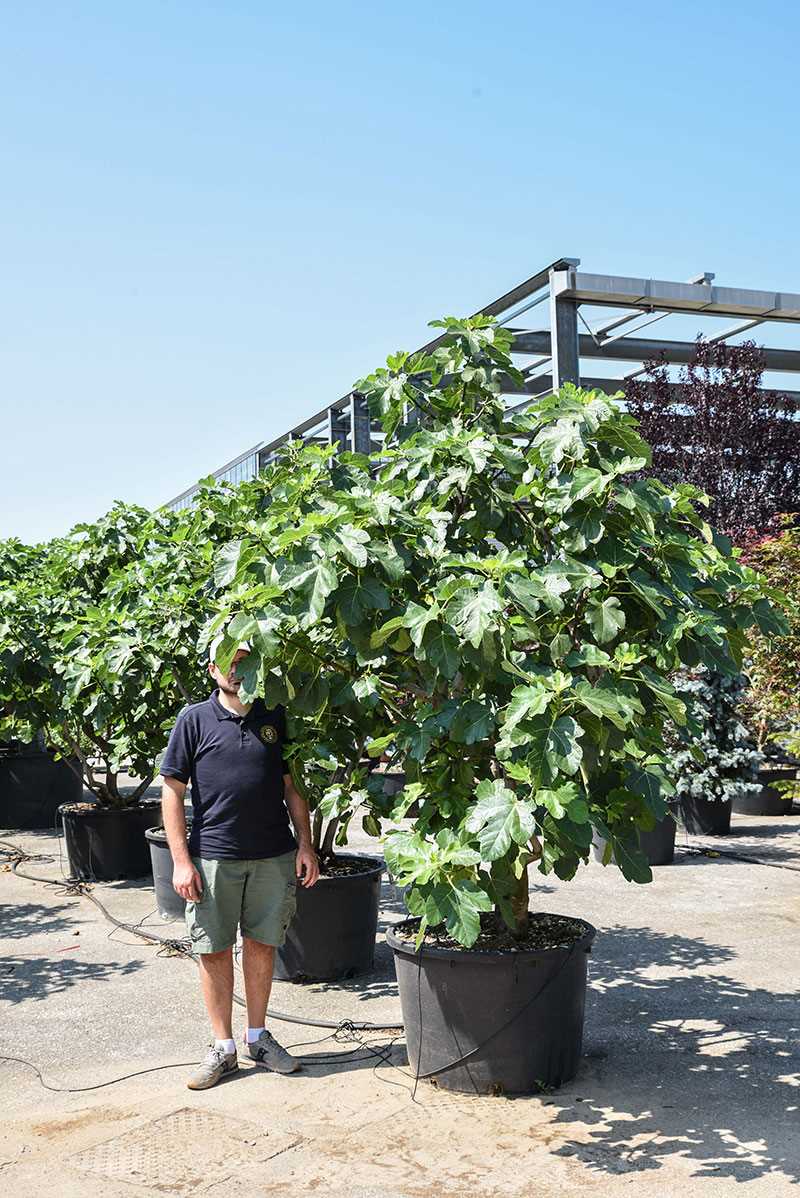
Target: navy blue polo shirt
x,y
236,767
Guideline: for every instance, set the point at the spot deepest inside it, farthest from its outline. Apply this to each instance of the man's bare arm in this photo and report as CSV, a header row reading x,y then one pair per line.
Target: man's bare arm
x,y
186,880
307,863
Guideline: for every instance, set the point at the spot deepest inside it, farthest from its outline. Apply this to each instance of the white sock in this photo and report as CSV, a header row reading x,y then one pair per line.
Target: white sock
x,y
253,1033
227,1046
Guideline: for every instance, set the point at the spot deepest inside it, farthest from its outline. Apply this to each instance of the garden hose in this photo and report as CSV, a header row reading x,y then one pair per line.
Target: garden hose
x,y
709,852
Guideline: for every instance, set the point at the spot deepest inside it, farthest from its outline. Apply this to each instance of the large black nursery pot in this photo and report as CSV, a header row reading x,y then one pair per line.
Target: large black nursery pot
x,y
706,817
769,800
491,1022
106,844
33,785
332,934
170,904
658,845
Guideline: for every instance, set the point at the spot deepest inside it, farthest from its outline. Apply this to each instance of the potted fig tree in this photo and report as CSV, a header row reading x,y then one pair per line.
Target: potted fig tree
x,y
34,779
546,603
99,680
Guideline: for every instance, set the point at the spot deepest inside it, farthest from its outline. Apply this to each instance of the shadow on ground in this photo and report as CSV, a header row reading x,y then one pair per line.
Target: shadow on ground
x,y
34,979
684,1062
20,920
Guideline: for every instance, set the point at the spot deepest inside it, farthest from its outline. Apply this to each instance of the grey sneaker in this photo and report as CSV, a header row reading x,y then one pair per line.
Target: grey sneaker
x,y
268,1052
215,1065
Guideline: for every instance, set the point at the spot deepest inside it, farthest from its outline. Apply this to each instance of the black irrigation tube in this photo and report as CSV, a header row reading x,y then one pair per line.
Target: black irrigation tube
x,y
708,851
171,946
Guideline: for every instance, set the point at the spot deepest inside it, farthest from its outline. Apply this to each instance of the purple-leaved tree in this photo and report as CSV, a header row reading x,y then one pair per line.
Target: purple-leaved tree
x,y
717,428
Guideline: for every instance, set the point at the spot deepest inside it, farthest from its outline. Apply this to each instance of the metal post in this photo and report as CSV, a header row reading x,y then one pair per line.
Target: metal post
x,y
338,427
564,339
360,439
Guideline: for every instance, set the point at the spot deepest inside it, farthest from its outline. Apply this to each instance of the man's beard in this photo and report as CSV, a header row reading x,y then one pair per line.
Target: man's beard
x,y
229,687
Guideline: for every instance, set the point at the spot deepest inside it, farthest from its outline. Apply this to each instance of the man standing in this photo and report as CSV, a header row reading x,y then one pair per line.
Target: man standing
x,y
241,864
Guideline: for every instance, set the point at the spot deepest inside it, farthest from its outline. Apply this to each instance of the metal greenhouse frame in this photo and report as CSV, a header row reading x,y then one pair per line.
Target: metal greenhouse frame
x,y
570,326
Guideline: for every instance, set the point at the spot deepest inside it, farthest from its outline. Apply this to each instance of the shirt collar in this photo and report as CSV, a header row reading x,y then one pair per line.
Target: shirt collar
x,y
222,713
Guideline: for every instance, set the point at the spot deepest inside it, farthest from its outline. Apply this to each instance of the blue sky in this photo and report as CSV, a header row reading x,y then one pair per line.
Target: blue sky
x,y
215,217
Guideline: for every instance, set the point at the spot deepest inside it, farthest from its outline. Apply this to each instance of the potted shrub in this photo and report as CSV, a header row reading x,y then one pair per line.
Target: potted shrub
x,y
34,781
772,703
547,605
714,762
717,427
506,610
92,677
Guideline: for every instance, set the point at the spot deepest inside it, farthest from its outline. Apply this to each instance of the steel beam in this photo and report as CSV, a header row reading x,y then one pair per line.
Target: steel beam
x,y
338,427
657,295
360,439
644,349
543,384
563,349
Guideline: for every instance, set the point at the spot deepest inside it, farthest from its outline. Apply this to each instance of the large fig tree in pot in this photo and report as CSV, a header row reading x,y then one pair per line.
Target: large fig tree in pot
x,y
518,665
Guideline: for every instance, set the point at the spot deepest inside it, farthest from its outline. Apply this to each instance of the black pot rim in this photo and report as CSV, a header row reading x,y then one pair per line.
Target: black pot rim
x,y
78,810
158,834
378,866
704,799
488,956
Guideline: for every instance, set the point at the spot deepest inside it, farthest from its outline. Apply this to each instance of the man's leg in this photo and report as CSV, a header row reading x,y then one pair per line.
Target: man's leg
x,y
216,980
258,961
211,924
268,906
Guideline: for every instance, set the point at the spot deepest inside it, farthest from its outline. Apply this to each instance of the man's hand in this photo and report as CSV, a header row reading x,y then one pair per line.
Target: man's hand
x,y
307,865
186,882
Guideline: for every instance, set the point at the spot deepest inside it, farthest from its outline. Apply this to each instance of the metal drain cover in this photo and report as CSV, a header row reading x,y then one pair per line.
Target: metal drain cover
x,y
183,1152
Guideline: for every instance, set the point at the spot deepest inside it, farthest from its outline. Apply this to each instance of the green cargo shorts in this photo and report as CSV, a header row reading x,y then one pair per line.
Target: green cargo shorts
x,y
261,896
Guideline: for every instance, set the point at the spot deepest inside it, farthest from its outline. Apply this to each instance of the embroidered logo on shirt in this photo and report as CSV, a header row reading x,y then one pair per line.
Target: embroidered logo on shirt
x,y
268,734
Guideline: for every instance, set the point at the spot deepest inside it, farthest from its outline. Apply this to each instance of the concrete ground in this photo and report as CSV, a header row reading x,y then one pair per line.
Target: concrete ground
x,y
689,1082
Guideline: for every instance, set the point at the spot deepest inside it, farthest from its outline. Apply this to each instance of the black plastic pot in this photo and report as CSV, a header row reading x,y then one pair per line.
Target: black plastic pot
x,y
333,931
393,782
493,1022
170,905
657,845
706,817
105,844
767,801
32,788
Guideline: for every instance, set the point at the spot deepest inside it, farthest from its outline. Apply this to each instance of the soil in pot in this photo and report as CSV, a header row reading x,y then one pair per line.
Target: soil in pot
x,y
33,785
706,817
505,1016
170,905
332,934
769,800
106,844
658,845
